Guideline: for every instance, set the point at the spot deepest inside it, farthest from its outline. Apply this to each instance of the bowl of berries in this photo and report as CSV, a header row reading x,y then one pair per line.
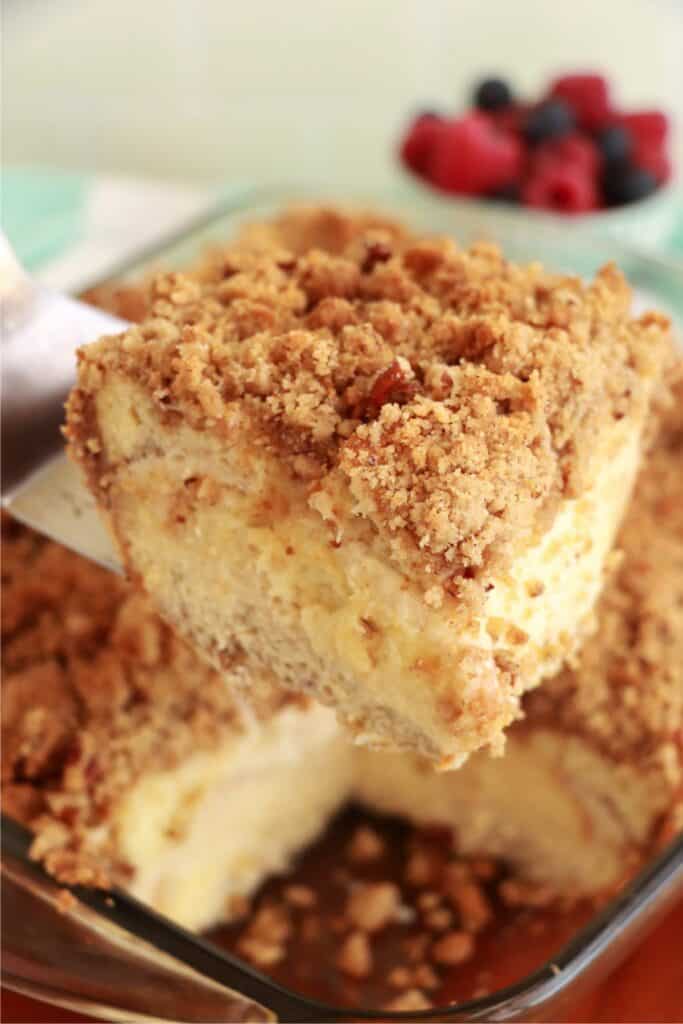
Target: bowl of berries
x,y
573,153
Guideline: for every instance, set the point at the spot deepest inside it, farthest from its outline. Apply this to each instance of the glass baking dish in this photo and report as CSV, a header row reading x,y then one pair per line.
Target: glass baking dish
x,y
171,974
563,246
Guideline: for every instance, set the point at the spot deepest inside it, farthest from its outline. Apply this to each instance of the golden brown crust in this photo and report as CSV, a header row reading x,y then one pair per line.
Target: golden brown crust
x,y
376,344
96,691
625,693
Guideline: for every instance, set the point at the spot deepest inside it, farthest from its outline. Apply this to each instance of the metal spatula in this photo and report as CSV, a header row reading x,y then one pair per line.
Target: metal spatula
x,y
40,332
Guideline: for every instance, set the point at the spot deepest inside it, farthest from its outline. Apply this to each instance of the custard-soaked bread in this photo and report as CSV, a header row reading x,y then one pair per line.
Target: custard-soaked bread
x,y
384,468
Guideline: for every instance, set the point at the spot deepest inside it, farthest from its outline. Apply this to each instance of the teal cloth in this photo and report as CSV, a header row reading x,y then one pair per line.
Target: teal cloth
x,y
43,212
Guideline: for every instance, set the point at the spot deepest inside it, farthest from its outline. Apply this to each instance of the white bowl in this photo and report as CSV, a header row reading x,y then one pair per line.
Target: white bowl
x,y
645,224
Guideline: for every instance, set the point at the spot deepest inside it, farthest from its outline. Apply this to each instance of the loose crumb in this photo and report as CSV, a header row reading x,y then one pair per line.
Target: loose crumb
x,y
516,892
429,900
300,896
413,999
355,955
372,906
425,977
400,977
66,901
263,942
365,846
419,869
439,920
469,899
453,948
263,954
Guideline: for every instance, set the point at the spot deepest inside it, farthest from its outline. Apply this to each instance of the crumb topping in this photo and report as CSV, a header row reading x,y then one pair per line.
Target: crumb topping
x,y
626,690
95,691
412,466
453,396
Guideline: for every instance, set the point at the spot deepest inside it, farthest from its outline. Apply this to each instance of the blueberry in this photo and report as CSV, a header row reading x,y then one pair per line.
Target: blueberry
x,y
510,193
623,183
549,121
615,143
492,94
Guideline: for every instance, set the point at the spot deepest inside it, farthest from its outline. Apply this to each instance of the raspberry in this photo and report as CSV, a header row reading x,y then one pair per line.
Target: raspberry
x,y
418,143
512,118
588,97
472,156
655,161
561,187
573,150
647,127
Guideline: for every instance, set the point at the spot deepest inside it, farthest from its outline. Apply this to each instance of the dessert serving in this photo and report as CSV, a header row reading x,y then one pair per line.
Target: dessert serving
x,y
409,494
386,470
